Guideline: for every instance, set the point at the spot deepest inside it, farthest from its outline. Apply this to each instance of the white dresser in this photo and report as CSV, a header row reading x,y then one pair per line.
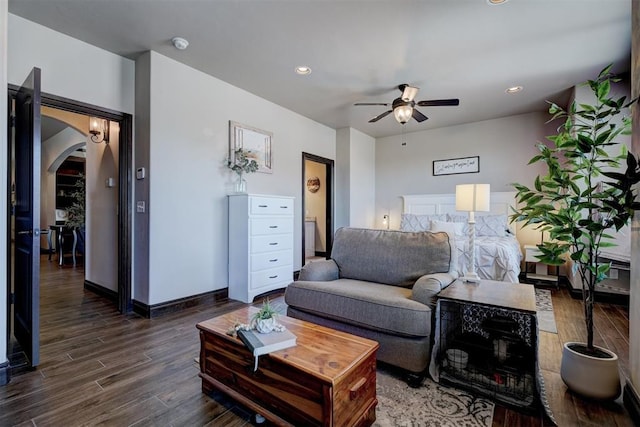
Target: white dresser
x,y
260,244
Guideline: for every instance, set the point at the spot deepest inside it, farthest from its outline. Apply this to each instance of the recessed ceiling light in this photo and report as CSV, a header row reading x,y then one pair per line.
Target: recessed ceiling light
x,y
496,2
303,70
180,43
514,89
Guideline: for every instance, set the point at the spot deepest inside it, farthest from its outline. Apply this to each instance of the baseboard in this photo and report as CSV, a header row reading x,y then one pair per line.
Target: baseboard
x,y
605,297
157,310
632,402
5,371
101,290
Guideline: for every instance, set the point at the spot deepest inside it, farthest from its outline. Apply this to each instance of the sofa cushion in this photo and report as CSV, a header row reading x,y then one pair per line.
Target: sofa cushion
x,y
383,308
390,257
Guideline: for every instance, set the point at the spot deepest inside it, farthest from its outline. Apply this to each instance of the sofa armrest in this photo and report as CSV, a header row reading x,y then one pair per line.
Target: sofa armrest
x,y
320,271
428,286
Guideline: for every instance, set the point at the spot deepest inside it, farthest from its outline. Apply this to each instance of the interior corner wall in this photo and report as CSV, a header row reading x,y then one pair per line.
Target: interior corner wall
x,y
404,163
188,180
362,180
342,179
4,11
142,130
355,186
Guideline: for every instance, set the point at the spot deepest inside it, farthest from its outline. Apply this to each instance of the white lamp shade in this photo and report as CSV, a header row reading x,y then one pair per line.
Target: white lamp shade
x,y
473,197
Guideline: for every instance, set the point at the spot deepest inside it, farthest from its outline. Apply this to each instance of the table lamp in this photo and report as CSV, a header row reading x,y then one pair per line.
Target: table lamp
x,y
472,198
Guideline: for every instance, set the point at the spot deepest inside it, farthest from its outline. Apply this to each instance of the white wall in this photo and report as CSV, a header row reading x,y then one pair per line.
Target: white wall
x,y
70,68
404,164
355,181
362,176
101,217
188,182
4,5
342,179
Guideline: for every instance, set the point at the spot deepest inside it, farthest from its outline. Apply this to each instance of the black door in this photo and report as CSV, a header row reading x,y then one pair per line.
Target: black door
x,y
26,265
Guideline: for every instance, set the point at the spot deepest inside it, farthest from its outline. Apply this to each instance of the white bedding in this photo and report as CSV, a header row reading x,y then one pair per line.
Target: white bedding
x,y
498,256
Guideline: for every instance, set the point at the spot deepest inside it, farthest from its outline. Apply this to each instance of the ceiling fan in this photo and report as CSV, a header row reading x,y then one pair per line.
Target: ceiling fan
x,y
403,108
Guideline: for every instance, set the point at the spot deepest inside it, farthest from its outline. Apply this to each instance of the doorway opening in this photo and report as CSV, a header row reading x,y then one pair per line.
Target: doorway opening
x,y
317,207
72,163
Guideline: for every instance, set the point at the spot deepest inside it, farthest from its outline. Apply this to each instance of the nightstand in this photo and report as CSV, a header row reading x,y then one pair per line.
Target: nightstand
x,y
541,269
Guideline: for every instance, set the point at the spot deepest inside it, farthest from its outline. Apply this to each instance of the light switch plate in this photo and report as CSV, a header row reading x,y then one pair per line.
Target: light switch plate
x,y
140,206
140,173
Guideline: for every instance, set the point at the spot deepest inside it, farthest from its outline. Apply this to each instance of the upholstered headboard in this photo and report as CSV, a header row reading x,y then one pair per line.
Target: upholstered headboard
x,y
425,204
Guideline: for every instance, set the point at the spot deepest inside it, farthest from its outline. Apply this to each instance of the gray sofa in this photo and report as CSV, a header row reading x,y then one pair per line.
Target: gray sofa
x,y
381,285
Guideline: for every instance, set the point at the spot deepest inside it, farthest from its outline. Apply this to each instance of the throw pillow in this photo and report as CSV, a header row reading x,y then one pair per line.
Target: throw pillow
x,y
413,222
461,219
452,229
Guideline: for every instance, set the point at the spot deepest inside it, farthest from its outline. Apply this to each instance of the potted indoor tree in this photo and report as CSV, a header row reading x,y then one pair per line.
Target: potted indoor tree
x,y
585,197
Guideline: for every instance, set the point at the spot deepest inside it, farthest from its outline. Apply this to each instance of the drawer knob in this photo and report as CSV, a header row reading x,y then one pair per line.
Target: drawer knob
x,y
273,277
273,243
284,207
273,260
273,226
262,206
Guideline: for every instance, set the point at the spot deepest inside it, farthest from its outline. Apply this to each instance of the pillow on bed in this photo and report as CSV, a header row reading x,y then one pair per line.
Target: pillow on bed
x,y
457,228
491,225
413,222
460,219
454,231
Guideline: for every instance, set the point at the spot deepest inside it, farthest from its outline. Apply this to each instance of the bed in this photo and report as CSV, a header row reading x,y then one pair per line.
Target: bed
x,y
498,253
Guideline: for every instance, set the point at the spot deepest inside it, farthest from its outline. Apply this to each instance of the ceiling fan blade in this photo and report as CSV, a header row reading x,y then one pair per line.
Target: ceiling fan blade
x,y
439,102
408,93
418,116
376,118
386,104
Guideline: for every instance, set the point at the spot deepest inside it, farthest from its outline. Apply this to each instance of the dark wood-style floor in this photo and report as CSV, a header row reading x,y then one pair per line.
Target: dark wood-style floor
x,y
99,367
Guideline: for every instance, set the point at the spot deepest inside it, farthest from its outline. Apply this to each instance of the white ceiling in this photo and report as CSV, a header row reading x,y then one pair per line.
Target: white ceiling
x,y
360,51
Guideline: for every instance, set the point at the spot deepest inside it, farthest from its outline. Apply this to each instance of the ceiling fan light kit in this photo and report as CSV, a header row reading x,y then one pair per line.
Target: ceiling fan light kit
x,y
403,108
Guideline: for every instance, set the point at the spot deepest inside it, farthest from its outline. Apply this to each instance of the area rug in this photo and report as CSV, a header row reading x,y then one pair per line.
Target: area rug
x,y
430,405
544,308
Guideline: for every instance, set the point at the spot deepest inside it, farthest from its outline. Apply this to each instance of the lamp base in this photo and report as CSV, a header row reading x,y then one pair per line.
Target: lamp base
x,y
471,277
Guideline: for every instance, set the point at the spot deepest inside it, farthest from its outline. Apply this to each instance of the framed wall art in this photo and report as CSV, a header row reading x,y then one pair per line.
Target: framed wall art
x,y
456,166
256,141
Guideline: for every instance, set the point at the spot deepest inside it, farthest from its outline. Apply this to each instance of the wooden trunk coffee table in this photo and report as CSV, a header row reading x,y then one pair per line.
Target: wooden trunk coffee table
x,y
327,379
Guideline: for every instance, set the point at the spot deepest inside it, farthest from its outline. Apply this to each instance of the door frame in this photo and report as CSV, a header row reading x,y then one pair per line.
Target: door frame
x,y
329,167
125,188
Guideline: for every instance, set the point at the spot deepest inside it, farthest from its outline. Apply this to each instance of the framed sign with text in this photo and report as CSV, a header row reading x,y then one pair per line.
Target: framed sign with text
x,y
456,166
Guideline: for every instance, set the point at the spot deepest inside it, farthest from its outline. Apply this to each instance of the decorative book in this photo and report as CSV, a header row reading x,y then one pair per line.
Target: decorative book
x,y
260,344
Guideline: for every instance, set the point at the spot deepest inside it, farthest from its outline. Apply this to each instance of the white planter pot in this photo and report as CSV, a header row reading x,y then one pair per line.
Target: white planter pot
x,y
265,326
592,377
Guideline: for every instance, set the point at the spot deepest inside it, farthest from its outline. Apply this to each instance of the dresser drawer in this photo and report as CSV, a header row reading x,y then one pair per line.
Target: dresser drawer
x,y
273,243
271,206
267,278
272,225
266,260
